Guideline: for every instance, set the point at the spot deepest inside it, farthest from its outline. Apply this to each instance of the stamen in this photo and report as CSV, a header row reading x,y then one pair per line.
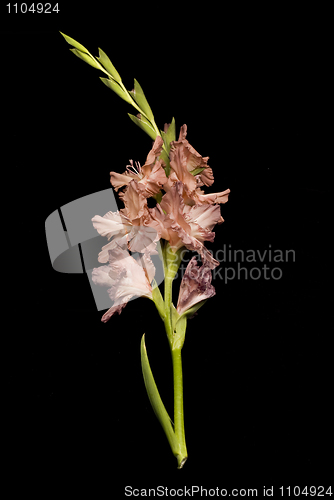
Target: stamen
x,y
133,170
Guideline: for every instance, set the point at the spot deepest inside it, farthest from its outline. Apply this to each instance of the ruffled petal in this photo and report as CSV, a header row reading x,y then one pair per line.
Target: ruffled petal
x,y
110,224
178,164
192,160
221,197
207,216
143,239
155,180
160,221
100,276
153,155
125,277
134,201
119,180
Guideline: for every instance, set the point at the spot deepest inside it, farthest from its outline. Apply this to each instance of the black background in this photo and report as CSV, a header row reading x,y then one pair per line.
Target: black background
x,y
253,88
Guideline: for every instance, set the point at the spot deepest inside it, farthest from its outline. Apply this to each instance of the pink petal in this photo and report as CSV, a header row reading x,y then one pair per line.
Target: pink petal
x,y
143,239
100,276
160,221
221,197
134,201
178,164
207,216
125,277
192,159
110,224
156,179
153,155
113,310
119,180
145,261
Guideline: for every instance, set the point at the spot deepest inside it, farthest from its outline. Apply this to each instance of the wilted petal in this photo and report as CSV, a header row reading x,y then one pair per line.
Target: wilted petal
x,y
195,286
117,308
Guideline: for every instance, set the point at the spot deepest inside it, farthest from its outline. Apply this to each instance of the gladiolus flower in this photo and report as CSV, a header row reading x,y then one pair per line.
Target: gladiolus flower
x,y
150,177
185,225
116,225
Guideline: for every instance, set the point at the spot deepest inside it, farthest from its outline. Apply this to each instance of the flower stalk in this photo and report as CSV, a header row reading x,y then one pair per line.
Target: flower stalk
x,y
175,434
183,217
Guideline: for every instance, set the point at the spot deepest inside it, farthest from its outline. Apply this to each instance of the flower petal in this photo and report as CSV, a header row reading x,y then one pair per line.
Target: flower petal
x,y
143,239
117,308
134,201
110,224
125,278
145,261
100,276
207,216
153,155
119,180
221,197
191,159
155,180
178,164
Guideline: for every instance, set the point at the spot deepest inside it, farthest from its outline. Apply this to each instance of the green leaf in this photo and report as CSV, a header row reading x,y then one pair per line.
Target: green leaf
x,y
157,299
87,58
141,100
170,134
168,137
144,125
197,171
111,84
104,59
75,44
154,396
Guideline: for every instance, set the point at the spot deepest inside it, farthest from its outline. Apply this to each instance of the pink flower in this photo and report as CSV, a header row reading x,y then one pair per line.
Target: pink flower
x,y
125,277
150,177
184,225
195,286
116,225
184,159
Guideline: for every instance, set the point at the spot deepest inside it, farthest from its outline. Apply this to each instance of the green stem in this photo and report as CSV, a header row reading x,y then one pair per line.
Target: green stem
x,y
181,454
172,262
175,329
